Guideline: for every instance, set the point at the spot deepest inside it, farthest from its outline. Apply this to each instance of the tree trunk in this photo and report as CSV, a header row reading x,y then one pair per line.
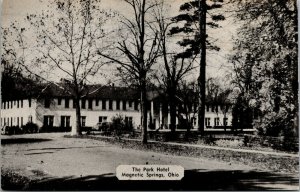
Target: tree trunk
x,y
201,80
77,129
144,110
172,102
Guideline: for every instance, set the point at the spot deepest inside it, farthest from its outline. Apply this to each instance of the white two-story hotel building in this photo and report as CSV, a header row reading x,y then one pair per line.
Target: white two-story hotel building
x,y
55,108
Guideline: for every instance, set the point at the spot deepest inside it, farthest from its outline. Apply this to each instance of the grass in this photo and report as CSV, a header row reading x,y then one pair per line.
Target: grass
x,y
259,160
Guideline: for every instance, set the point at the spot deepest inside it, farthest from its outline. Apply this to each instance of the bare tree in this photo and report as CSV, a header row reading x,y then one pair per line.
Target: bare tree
x,y
140,49
68,36
188,93
176,66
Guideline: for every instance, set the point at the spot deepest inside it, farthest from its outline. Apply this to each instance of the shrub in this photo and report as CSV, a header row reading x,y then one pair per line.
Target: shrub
x,y
30,128
120,126
210,140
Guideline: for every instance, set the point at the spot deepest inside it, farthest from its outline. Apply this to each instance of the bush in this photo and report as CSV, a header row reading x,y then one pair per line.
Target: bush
x,y
30,128
119,126
11,130
210,140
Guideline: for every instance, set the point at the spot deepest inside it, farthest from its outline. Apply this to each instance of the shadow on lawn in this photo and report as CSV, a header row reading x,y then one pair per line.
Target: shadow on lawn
x,y
60,148
22,140
193,180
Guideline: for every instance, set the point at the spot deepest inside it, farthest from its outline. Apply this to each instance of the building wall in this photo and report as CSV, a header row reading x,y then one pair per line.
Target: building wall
x,y
92,115
17,112
161,116
211,115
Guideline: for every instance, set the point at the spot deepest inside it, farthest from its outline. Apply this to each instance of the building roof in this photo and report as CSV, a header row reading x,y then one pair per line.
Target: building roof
x,y
91,91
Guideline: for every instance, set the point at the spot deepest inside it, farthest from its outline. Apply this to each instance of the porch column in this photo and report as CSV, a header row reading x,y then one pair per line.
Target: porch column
x,y
176,118
152,112
169,117
160,115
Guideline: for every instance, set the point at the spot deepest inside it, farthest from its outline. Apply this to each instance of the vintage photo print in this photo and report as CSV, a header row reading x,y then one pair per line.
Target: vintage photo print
x,y
149,95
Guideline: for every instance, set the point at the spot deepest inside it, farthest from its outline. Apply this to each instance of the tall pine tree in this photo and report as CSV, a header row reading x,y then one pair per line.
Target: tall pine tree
x,y
193,22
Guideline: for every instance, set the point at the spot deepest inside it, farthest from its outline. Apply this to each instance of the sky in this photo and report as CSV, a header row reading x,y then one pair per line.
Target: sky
x,y
217,62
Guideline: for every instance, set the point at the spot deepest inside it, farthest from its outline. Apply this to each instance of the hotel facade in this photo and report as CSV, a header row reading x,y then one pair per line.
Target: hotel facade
x,y
55,108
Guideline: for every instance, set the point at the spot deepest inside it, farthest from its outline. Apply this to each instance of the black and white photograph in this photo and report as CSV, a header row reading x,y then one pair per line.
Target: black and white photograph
x,y
149,95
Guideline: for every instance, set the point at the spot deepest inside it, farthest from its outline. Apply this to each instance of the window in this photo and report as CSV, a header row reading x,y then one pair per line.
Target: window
x,y
7,121
59,101
8,105
118,104
207,108
21,121
130,103
48,120
67,103
83,120
4,105
128,121
47,103
217,121
29,119
207,121
18,104
83,103
11,121
194,121
103,104
124,105
74,103
110,104
18,122
225,121
102,119
97,102
29,103
136,104
90,104
21,103
65,121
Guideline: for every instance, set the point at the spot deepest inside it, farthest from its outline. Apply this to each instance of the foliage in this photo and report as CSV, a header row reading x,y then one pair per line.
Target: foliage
x,y
15,83
138,46
189,16
210,140
30,128
120,126
194,20
174,68
265,63
69,38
